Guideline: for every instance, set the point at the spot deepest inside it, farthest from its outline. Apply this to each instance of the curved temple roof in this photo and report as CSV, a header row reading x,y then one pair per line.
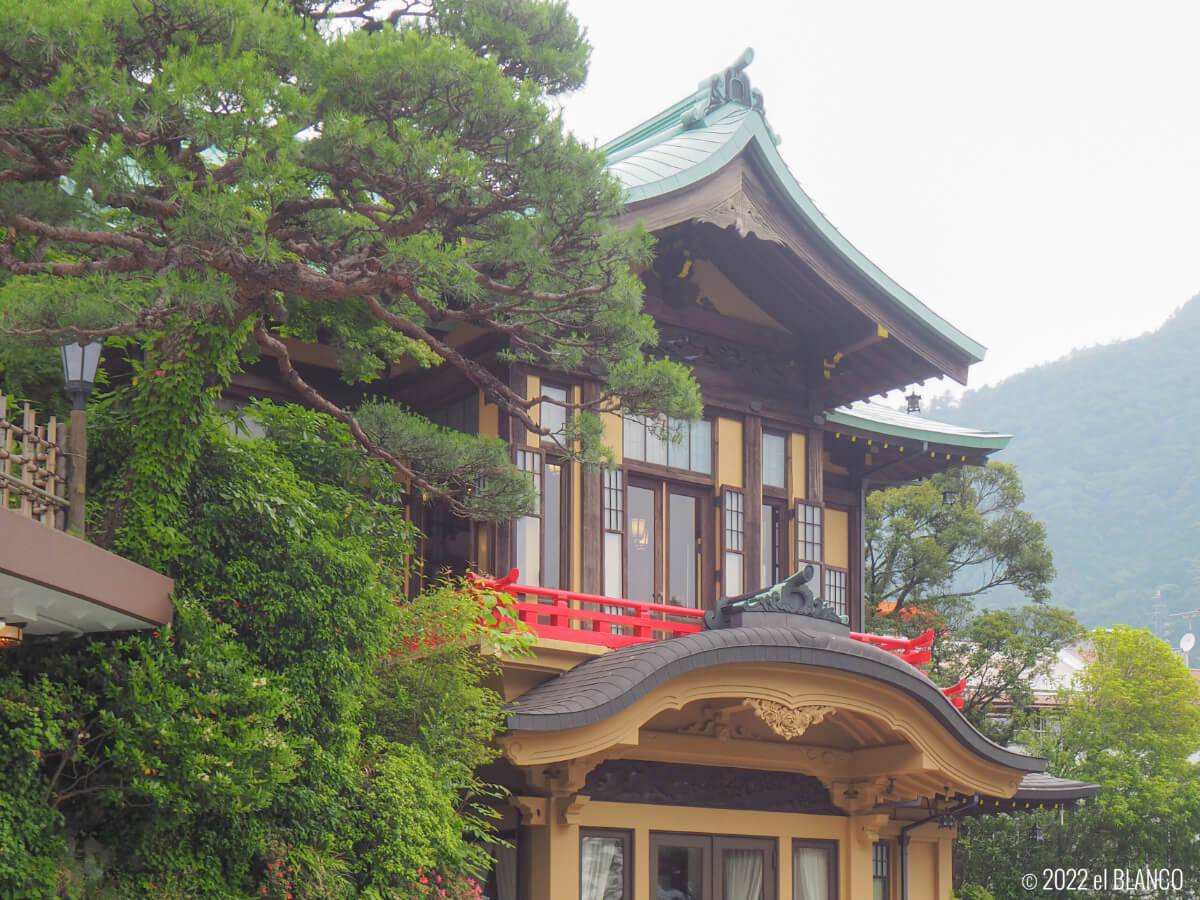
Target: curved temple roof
x,y
604,686
878,419
695,138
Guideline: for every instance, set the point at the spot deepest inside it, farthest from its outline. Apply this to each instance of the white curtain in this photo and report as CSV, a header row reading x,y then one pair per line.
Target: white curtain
x,y
810,873
743,874
506,873
597,858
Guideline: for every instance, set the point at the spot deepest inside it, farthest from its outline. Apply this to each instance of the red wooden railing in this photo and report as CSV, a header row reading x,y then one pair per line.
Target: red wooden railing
x,y
593,619
615,622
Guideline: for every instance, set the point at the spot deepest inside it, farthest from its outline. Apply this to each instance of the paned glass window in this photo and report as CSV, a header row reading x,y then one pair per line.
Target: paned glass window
x,y
774,460
880,865
835,590
809,520
677,443
734,503
529,528
614,532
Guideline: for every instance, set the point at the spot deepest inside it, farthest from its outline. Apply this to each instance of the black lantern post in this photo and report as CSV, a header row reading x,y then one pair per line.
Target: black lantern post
x,y
79,362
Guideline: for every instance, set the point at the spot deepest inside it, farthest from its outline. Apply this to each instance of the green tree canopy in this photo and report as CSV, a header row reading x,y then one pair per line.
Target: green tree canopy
x,y
1130,723
297,720
929,563
364,173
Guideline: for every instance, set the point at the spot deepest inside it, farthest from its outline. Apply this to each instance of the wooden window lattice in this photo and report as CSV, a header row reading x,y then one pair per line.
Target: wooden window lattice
x,y
32,466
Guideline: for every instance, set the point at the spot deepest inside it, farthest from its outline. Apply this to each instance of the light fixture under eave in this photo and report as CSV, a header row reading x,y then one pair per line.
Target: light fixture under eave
x,y
11,635
914,402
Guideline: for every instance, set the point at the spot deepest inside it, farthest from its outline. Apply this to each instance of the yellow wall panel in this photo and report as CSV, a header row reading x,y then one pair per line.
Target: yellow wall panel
x,y
533,388
837,538
729,452
613,435
489,418
799,484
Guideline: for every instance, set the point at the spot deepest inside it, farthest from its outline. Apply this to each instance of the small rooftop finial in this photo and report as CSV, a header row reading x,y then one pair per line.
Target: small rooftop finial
x,y
730,85
744,60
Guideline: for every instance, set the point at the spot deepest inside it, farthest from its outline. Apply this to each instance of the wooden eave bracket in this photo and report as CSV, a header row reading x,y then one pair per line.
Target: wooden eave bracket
x,y
533,810
880,334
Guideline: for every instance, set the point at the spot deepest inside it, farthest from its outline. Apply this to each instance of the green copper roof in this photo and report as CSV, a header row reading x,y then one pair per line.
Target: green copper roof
x,y
687,143
880,419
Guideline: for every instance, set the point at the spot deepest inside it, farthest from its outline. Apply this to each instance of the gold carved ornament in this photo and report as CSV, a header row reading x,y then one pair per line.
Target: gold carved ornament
x,y
789,721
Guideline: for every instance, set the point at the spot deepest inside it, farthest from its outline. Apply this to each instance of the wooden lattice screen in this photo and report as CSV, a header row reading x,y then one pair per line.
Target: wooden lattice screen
x,y
32,465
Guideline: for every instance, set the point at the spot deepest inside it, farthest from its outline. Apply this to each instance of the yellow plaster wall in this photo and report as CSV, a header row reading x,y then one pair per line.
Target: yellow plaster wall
x,y
924,879
489,418
533,388
837,538
726,298
729,452
798,486
613,436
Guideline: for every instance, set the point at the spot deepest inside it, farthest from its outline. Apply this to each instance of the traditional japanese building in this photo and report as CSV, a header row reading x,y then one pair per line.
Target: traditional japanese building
x,y
667,742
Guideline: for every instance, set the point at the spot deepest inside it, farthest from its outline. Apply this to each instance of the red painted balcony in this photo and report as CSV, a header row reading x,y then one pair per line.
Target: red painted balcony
x,y
591,619
554,614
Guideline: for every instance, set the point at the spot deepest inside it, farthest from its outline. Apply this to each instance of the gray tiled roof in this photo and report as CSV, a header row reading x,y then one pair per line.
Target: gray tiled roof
x,y
1042,787
604,686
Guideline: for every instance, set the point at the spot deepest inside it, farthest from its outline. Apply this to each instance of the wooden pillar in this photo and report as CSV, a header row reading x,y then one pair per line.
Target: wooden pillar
x,y
752,460
591,509
814,466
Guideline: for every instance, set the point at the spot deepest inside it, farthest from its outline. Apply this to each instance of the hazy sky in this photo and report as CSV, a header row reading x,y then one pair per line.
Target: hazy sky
x,y
1030,170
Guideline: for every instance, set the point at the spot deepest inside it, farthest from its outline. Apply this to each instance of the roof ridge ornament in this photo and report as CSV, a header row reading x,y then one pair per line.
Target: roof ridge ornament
x,y
792,596
730,85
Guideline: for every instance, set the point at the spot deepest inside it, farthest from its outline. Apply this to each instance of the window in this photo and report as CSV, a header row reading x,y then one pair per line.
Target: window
x,y
541,535
460,415
605,860
703,867
773,562
529,528
834,591
809,541
814,870
734,503
676,443
880,865
668,532
774,460
553,416
614,533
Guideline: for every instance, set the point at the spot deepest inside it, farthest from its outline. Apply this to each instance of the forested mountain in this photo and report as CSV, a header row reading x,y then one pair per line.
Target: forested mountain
x,y
1107,441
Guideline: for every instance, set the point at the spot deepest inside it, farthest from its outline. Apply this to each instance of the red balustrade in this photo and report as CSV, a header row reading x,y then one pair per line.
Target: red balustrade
x,y
615,622
592,619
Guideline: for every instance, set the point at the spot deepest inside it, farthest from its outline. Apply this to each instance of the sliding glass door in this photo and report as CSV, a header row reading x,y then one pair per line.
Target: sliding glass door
x,y
704,867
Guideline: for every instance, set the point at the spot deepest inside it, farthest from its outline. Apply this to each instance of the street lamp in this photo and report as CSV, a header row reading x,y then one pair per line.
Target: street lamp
x,y
79,361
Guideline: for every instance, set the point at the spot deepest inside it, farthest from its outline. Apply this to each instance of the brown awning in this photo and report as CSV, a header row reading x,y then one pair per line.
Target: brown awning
x,y
53,583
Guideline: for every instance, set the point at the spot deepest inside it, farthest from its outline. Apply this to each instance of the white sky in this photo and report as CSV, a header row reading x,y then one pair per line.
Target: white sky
x,y
1030,170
